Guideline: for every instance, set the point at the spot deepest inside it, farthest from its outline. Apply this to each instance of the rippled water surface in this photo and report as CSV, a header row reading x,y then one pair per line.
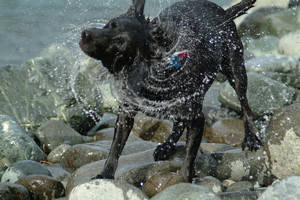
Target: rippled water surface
x,y
28,26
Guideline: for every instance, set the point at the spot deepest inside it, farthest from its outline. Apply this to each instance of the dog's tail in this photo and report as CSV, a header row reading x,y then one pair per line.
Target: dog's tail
x,y
239,9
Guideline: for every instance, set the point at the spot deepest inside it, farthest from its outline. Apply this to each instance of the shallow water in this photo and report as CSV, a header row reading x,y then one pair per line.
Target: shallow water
x,y
27,27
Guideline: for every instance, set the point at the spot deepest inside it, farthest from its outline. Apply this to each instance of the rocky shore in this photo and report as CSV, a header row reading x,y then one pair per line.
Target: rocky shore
x,y
51,143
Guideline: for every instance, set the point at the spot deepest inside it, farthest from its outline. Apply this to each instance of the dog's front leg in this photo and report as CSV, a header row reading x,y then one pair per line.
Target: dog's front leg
x,y
123,127
195,129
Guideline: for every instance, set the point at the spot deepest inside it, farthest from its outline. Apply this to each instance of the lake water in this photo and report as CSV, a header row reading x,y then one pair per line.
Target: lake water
x,y
29,26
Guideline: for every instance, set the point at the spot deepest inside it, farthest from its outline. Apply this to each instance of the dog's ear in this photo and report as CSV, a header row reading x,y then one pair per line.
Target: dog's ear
x,y
139,7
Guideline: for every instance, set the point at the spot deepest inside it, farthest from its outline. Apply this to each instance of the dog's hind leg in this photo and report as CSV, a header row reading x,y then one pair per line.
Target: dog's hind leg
x,y
237,77
166,149
195,129
123,127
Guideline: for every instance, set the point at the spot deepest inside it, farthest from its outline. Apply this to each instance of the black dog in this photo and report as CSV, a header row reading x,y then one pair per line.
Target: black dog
x,y
165,67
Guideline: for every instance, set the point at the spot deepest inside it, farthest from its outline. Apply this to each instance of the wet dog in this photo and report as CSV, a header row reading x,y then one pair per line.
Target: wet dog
x,y
165,67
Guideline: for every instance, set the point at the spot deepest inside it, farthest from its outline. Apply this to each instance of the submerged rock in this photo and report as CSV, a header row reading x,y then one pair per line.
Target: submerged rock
x,y
22,169
106,189
43,187
271,95
15,144
10,191
283,142
186,191
286,189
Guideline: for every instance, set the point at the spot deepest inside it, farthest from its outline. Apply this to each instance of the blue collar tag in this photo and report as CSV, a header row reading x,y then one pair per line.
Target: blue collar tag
x,y
176,59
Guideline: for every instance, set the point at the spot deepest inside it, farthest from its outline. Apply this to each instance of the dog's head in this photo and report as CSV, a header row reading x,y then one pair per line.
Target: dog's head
x,y
120,40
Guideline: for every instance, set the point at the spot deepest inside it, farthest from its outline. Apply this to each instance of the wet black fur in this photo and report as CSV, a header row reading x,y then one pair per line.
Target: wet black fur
x,y
131,44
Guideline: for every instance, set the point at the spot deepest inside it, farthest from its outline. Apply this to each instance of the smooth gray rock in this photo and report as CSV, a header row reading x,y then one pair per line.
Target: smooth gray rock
x,y
265,95
288,46
56,154
54,133
24,168
286,189
15,144
210,182
186,191
238,195
106,189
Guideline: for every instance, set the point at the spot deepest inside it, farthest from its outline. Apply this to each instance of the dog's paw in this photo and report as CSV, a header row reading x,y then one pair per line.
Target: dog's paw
x,y
100,176
164,151
252,142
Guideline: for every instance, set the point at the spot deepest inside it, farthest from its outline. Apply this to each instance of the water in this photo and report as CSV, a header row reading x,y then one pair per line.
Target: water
x,y
27,26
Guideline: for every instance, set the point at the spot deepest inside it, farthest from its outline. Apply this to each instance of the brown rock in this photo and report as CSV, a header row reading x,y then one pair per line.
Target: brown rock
x,y
227,131
159,182
43,187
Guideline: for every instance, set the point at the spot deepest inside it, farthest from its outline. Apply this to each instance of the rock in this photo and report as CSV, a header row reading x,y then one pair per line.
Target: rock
x,y
15,144
140,175
288,46
24,168
238,195
282,68
211,96
268,21
213,114
286,189
82,154
108,120
261,46
126,163
210,182
54,133
235,164
106,189
45,88
56,154
105,134
186,191
159,182
152,129
283,143
43,187
214,147
241,185
226,131
58,173
110,103
10,191
271,95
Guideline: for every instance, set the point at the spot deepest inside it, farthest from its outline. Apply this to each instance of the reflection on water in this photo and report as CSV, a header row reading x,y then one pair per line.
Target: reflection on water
x,y
27,27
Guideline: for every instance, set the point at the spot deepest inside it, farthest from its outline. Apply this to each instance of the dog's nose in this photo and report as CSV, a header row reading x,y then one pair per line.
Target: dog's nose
x,y
86,36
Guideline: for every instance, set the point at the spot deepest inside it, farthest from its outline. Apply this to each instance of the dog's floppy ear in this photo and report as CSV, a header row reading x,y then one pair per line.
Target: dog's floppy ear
x,y
139,7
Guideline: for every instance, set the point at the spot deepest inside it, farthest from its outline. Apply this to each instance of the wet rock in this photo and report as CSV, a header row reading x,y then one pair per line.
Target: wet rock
x,y
210,182
288,46
152,129
110,103
10,191
56,154
236,165
126,163
261,46
41,90
82,154
15,144
54,133
42,187
186,191
226,131
211,97
24,168
271,95
214,147
108,120
241,185
238,195
268,21
283,68
58,173
106,189
159,182
213,114
286,189
283,144
105,134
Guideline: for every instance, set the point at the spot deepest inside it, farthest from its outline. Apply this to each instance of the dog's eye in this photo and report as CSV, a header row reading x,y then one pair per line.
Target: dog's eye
x,y
113,24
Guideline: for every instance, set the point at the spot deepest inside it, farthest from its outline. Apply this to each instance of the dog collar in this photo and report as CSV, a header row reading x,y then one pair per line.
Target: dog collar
x,y
175,60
